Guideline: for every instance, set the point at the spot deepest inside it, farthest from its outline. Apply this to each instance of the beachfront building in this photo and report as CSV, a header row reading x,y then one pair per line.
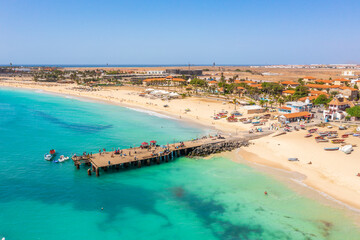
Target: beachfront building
x,y
168,81
299,106
294,117
251,109
336,110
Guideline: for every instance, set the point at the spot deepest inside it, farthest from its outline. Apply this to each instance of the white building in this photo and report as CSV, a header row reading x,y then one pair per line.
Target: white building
x,y
348,73
337,108
155,72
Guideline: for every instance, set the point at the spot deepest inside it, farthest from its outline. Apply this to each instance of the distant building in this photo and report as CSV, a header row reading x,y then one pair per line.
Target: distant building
x,y
185,72
293,117
251,109
155,72
348,73
168,81
297,106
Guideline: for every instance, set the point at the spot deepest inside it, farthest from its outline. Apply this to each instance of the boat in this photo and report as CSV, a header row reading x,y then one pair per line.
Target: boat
x,y
345,135
342,128
323,133
293,159
330,136
329,126
331,149
49,156
62,159
337,140
356,134
347,149
312,130
308,135
319,137
322,140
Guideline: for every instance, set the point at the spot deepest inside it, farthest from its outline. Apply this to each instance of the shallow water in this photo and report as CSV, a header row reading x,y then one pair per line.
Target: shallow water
x,y
185,199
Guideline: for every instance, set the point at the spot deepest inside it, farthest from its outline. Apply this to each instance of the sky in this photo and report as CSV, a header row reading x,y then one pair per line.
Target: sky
x,y
179,32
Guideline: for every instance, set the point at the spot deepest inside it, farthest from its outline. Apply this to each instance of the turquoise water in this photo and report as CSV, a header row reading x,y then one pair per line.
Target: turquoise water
x,y
185,199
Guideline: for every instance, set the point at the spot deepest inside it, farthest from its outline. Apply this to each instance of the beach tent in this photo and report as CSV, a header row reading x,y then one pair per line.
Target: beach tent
x,y
144,144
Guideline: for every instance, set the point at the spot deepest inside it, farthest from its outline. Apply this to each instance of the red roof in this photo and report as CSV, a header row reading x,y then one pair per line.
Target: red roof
x,y
289,91
323,81
212,82
289,83
316,86
297,114
285,108
342,80
308,97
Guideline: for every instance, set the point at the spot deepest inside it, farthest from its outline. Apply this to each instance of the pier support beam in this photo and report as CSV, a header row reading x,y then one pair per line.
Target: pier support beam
x,y
139,164
97,172
77,166
158,160
89,171
167,158
148,162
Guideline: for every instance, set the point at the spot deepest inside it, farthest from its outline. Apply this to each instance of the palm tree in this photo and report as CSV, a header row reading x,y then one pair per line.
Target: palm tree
x,y
262,102
280,101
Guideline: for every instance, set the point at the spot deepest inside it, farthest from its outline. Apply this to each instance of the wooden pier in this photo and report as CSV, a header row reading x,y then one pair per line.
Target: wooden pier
x,y
140,156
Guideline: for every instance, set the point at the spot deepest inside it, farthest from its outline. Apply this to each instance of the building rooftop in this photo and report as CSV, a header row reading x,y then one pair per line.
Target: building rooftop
x,y
297,114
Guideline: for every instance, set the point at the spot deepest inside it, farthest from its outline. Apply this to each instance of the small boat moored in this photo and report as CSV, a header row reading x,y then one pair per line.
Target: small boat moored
x,y
293,159
62,159
49,156
308,135
331,149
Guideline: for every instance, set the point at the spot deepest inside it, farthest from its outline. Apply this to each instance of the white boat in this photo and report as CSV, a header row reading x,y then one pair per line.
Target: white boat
x,y
347,149
62,158
49,156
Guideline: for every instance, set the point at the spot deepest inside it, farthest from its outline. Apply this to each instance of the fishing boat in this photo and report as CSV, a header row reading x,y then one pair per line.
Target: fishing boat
x,y
330,136
331,149
335,141
356,134
293,159
49,156
319,137
323,133
322,140
342,128
345,135
312,130
62,159
308,135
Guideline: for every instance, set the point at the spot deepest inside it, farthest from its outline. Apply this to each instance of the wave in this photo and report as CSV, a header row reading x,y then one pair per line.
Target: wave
x,y
151,113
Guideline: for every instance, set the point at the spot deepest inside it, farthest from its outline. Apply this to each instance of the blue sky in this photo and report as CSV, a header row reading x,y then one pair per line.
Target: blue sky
x,y
179,32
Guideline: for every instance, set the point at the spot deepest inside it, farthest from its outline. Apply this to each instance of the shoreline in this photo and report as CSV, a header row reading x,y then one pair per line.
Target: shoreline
x,y
246,154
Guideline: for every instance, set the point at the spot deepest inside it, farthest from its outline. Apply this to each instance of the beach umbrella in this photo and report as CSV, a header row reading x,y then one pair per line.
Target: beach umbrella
x,y
153,141
144,143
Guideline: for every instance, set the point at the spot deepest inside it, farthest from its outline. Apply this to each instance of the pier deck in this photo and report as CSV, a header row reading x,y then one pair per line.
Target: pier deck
x,y
142,156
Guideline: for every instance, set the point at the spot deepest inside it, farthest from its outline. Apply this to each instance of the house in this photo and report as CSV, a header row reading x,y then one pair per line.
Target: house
x,y
336,110
288,92
341,81
326,82
308,79
212,83
284,109
293,117
348,73
251,109
348,92
290,84
309,98
317,87
299,106
318,93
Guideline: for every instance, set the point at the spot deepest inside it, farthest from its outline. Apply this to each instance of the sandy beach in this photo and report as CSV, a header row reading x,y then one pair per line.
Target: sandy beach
x,y
333,173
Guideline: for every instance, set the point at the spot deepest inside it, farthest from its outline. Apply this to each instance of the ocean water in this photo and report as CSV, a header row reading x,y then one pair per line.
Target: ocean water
x,y
208,199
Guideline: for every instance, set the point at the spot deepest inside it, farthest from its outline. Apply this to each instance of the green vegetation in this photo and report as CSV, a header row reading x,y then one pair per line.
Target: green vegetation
x,y
322,99
272,88
198,82
300,91
354,111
